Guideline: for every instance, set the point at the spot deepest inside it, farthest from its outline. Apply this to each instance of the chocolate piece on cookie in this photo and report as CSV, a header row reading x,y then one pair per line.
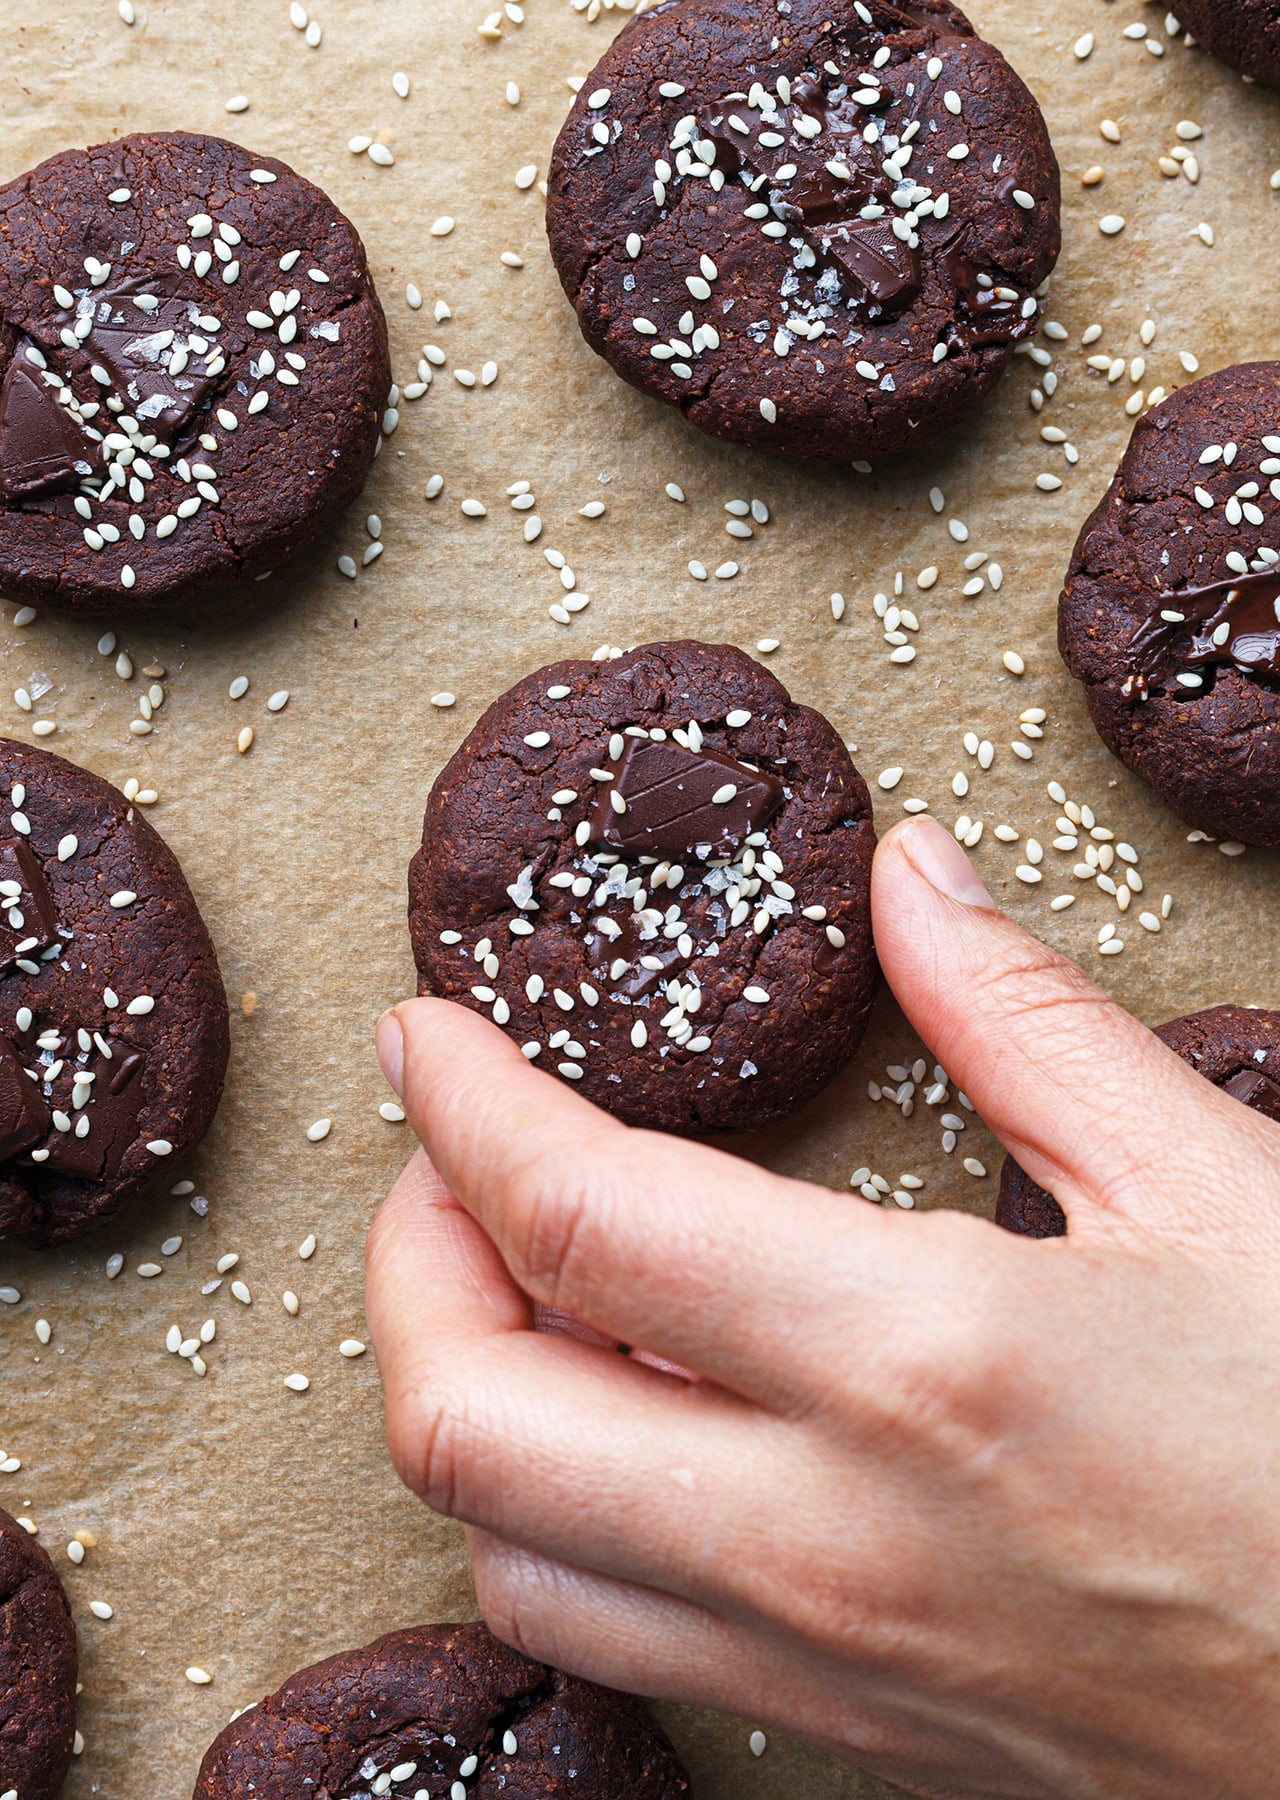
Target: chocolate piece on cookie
x,y
1244,33
1171,613
435,1710
654,874
193,370
817,229
1235,1048
37,1669
113,1019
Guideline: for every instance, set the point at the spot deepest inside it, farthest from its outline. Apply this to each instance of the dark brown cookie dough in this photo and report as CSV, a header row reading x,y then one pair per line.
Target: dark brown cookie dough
x,y
113,1019
434,1707
1236,1049
193,369
1244,33
818,228
37,1669
654,873
1169,617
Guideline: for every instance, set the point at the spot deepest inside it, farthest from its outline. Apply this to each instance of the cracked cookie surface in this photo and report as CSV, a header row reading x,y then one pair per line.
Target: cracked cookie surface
x,y
37,1669
1170,618
654,874
113,1018
816,228
440,1711
193,370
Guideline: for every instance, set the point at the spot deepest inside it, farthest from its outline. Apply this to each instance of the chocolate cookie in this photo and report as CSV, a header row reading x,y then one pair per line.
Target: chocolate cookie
x,y
654,873
37,1669
817,229
1238,1050
113,1019
438,1712
1244,33
193,369
1171,614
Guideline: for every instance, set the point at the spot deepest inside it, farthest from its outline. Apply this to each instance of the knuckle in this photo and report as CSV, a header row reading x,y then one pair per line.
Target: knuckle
x,y
512,1601
555,1198
426,1434
948,1382
1033,982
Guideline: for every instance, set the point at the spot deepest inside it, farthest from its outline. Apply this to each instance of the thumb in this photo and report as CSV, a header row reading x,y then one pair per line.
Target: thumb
x,y
1092,1104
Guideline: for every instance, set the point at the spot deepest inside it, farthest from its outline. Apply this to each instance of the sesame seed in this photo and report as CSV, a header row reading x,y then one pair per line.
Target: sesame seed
x,y
198,1677
317,1133
351,1347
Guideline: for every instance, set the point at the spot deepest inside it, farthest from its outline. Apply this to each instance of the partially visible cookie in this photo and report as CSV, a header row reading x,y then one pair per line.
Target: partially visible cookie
x,y
654,873
817,228
1235,1048
1244,33
113,1018
37,1669
193,370
440,1711
1171,613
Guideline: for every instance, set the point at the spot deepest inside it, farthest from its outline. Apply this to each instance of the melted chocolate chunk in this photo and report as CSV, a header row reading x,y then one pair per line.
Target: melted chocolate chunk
x,y
42,448
619,962
1235,621
30,919
990,318
671,805
157,356
92,1141
869,251
24,1117
839,181
1255,1090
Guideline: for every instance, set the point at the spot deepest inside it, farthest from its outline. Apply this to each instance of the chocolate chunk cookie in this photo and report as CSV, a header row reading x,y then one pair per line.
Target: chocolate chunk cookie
x,y
1171,614
37,1669
1244,33
1236,1049
428,1713
193,368
817,229
113,1019
654,873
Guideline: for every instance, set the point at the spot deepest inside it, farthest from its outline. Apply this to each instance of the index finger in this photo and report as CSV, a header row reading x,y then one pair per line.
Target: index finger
x,y
706,1260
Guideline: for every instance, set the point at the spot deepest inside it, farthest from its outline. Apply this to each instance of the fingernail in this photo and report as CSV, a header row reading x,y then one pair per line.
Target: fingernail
x,y
389,1038
936,856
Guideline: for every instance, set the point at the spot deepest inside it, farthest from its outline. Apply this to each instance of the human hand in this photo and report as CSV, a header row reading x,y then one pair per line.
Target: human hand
x,y
990,1516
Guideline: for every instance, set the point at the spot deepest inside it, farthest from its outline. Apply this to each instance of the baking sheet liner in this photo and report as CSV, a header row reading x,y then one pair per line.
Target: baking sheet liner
x,y
247,1529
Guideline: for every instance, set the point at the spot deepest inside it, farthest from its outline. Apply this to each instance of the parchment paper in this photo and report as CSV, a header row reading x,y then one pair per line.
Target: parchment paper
x,y
250,1530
